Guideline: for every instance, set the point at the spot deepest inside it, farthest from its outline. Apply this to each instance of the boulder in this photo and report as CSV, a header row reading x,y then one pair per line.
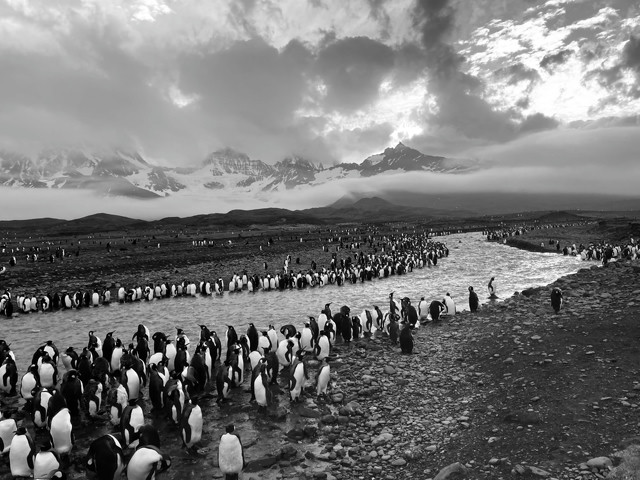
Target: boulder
x,y
455,471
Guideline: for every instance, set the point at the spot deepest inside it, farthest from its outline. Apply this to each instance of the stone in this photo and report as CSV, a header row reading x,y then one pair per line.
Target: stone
x,y
600,463
399,462
337,397
382,439
329,419
308,412
261,464
389,370
538,472
455,471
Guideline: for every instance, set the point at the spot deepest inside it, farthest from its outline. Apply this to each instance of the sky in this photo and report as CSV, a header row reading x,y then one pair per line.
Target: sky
x,y
553,83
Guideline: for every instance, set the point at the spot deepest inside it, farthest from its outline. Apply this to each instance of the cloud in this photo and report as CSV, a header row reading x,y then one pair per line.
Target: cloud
x,y
352,70
537,122
555,58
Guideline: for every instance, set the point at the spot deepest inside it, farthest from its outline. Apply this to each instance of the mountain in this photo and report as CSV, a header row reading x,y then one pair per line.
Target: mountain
x,y
129,174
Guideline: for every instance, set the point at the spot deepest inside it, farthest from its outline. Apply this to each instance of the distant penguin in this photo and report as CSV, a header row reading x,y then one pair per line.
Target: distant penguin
x,y
260,385
394,330
406,339
230,454
556,299
146,463
191,424
8,428
473,300
323,347
105,458
435,309
30,382
41,407
491,286
21,454
323,377
449,305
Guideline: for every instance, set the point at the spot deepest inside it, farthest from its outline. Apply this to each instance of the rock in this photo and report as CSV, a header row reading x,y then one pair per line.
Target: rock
x,y
328,419
523,418
296,433
310,431
389,370
538,472
382,439
288,452
261,464
494,461
308,412
337,397
600,463
455,471
399,462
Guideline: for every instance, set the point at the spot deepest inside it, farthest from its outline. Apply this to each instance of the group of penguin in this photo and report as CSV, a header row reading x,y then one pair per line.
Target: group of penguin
x,y
106,380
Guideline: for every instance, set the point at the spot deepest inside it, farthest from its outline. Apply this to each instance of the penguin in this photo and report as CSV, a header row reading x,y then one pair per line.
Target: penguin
x,y
93,398
260,385
46,461
47,372
323,377
492,288
130,422
108,345
473,300
232,338
252,335
285,352
72,390
180,335
264,343
61,431
449,305
156,389
306,343
116,356
159,342
105,458
130,380
298,377
21,454
323,347
117,401
406,338
191,424
8,428
148,435
556,299
40,407
435,309
231,454
30,383
70,359
356,327
288,331
146,463
8,376
170,353
273,337
394,329
223,383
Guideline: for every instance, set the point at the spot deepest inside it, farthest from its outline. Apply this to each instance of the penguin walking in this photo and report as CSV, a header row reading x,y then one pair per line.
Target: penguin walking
x,y
556,299
191,424
231,454
491,286
473,300
106,458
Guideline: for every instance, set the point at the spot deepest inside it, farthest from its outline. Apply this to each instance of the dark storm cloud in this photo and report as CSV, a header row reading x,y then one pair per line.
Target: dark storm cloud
x,y
631,54
352,70
536,123
457,95
555,59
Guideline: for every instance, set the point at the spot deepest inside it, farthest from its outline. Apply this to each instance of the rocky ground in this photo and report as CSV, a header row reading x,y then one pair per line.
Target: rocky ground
x,y
511,391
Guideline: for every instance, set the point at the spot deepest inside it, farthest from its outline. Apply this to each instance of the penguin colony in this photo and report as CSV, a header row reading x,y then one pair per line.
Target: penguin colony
x,y
107,380
401,255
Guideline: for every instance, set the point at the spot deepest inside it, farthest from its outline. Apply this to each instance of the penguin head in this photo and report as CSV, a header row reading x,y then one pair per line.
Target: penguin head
x,y
21,431
471,289
229,428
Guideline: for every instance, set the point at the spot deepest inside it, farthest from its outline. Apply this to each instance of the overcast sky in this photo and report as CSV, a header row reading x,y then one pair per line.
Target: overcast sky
x,y
554,83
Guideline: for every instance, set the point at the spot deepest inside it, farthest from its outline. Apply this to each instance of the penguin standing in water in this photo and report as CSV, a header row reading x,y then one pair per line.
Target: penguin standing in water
x,y
556,299
231,454
491,286
106,458
406,339
191,424
22,454
473,300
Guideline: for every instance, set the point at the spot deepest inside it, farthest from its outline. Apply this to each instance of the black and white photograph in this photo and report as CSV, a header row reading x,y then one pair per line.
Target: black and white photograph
x,y
320,239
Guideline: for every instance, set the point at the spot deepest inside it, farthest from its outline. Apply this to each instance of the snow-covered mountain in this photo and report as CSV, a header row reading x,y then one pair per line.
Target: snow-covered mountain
x,y
128,173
